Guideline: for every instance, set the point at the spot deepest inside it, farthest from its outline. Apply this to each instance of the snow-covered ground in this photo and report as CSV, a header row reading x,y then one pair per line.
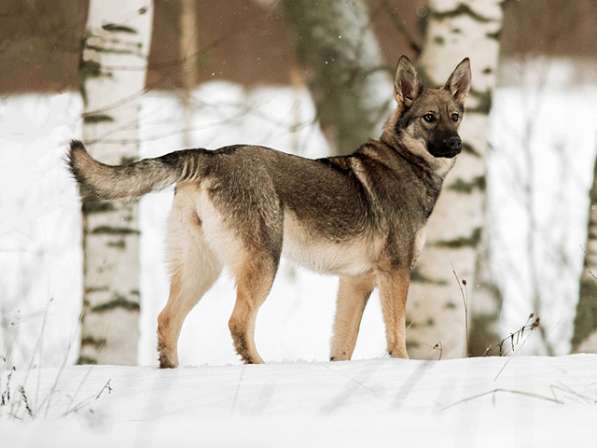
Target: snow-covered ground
x,y
488,402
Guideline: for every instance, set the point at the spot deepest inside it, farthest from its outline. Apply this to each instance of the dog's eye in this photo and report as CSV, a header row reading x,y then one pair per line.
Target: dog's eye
x,y
429,118
455,117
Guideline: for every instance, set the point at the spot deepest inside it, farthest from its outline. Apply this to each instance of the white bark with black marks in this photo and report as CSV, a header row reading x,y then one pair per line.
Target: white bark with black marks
x,y
455,29
112,72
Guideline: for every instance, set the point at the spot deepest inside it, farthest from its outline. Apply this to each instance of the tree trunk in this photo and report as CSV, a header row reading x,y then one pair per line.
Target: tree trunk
x,y
188,53
584,337
350,86
456,29
487,302
112,72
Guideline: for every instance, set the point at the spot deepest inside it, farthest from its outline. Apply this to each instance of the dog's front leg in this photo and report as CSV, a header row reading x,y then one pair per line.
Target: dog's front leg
x,y
393,288
353,293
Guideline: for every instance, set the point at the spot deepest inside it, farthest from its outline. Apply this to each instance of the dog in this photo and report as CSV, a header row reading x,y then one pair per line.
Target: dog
x,y
361,217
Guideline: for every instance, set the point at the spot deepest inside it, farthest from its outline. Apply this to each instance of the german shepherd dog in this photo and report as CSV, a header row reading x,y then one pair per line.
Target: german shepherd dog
x,y
361,217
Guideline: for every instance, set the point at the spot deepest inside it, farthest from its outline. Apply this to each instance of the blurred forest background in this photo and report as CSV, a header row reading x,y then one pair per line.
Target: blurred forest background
x,y
515,230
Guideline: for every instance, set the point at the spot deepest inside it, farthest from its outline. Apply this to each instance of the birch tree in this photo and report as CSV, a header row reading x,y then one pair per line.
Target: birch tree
x,y
584,337
112,73
456,29
345,71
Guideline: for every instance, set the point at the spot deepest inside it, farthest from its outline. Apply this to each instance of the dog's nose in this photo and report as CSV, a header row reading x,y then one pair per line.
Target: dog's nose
x,y
454,143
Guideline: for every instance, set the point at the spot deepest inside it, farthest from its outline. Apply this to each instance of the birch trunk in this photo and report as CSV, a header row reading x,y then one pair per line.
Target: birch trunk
x,y
112,72
584,337
456,29
345,72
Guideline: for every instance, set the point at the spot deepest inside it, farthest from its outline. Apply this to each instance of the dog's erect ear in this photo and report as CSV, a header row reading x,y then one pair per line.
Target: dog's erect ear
x,y
406,82
459,82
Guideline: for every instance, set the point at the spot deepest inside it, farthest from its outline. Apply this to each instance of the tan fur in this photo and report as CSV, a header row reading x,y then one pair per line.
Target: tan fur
x,y
393,289
254,279
169,324
219,236
353,294
420,238
351,257
193,266
197,254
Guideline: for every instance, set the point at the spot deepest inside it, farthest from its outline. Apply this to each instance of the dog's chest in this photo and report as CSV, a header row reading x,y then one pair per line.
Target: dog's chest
x,y
301,245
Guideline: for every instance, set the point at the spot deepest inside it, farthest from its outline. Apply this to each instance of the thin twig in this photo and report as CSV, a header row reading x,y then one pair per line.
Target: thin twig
x,y
107,386
508,360
80,386
515,337
509,391
461,285
25,400
568,390
85,402
49,396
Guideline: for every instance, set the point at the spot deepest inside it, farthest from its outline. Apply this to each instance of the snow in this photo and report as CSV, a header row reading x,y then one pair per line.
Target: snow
x,y
537,401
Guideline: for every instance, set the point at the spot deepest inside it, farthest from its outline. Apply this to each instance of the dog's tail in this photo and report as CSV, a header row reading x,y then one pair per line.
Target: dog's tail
x,y
134,179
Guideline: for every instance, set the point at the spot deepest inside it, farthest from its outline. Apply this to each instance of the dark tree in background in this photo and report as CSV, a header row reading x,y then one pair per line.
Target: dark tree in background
x,y
345,71
584,337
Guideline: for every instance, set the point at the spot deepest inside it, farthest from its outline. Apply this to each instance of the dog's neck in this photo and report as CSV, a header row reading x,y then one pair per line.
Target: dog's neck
x,y
415,152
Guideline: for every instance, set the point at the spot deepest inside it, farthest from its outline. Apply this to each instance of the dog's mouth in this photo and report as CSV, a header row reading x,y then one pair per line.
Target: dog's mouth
x,y
446,148
449,154
445,153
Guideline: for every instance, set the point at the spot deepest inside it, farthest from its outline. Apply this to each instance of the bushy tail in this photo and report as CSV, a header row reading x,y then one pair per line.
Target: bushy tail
x,y
134,179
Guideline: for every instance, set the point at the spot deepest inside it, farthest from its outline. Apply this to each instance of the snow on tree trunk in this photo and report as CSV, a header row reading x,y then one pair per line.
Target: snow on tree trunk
x,y
584,337
112,72
456,29
188,53
346,77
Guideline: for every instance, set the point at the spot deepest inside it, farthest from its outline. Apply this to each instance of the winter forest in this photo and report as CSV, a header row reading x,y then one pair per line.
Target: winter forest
x,y
501,315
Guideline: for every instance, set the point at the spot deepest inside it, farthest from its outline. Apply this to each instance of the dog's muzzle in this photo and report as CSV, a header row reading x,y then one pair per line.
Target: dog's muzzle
x,y
453,147
453,143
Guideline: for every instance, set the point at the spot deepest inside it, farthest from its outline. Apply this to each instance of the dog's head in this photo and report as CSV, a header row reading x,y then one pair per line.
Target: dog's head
x,y
431,117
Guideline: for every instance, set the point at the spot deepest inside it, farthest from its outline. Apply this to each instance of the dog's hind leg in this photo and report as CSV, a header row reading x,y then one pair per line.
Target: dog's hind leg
x,y
353,294
254,278
194,268
243,224
393,289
